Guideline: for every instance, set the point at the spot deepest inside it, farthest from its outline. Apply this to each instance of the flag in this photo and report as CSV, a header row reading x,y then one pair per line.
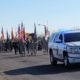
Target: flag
x,y
45,30
47,33
7,35
35,29
12,34
21,24
2,32
22,31
19,32
35,34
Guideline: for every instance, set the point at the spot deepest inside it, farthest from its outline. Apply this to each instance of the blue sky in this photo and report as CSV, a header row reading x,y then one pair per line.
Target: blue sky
x,y
56,14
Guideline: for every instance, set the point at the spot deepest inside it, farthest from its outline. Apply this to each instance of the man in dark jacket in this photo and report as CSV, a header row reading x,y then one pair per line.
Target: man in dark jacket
x,y
28,45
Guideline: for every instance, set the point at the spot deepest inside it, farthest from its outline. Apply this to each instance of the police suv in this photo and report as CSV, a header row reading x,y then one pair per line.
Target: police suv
x,y
64,46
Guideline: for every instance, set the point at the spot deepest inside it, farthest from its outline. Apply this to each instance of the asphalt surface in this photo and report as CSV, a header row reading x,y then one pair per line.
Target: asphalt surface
x,y
15,67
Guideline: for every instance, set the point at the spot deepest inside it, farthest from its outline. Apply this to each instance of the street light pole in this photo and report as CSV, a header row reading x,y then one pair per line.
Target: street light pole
x,y
42,25
45,28
45,40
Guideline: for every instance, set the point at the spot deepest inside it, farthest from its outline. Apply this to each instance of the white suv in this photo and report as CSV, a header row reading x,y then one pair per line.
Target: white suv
x,y
64,46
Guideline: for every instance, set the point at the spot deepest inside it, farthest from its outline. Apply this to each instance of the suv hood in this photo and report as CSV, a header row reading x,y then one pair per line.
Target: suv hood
x,y
73,43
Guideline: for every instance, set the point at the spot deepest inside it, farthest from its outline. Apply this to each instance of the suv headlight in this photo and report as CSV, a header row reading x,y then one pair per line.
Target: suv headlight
x,y
72,49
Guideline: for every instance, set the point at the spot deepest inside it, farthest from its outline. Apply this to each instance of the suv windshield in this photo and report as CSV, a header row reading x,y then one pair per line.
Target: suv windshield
x,y
71,37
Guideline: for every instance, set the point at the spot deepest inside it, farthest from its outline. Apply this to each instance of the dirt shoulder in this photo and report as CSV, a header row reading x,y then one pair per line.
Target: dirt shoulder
x,y
4,77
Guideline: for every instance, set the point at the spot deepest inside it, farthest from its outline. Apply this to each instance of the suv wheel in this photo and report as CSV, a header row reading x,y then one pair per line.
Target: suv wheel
x,y
52,60
66,62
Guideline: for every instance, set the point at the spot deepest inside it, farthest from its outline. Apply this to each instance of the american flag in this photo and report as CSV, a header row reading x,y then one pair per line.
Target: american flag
x,y
2,32
47,32
12,34
19,31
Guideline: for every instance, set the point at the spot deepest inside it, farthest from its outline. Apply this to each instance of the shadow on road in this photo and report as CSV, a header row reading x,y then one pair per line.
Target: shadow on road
x,y
43,70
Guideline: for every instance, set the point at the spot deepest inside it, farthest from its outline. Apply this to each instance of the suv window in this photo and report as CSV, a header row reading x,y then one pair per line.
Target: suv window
x,y
61,37
52,37
72,37
58,37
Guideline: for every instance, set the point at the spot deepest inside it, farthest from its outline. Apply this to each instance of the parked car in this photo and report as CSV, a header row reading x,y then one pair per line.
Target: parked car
x,y
64,46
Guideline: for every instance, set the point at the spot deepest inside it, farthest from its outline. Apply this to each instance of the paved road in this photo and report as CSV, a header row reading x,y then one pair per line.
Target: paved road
x,y
14,67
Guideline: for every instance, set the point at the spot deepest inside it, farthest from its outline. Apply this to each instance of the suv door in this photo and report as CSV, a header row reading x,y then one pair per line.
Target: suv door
x,y
60,47
55,46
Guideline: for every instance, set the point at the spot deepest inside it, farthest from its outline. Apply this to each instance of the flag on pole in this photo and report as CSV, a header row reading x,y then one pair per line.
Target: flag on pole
x,y
35,29
35,34
2,32
45,30
22,31
12,34
19,32
47,33
7,35
22,25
